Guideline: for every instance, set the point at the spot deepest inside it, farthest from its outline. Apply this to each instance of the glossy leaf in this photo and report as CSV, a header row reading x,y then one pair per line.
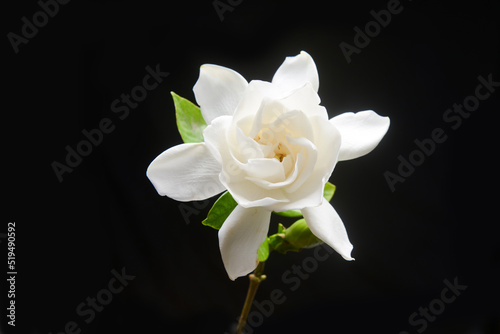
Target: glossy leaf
x,y
290,213
221,209
329,191
263,251
190,122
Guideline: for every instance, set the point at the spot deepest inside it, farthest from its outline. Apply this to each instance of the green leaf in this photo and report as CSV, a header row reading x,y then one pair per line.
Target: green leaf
x,y
328,192
263,251
221,209
190,122
290,213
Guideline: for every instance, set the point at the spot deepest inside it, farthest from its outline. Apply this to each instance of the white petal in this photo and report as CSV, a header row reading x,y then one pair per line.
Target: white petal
x,y
308,150
240,238
243,147
186,172
299,166
256,92
328,142
215,136
249,195
361,132
303,98
295,71
325,223
218,91
270,170
294,122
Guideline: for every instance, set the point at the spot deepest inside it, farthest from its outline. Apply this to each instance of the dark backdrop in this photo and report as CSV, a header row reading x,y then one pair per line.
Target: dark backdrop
x,y
439,224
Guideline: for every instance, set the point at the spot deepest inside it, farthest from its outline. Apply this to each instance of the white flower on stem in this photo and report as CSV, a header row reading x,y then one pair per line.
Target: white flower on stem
x,y
272,146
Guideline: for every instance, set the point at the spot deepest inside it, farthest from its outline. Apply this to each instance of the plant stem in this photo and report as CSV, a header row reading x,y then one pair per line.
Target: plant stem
x,y
255,280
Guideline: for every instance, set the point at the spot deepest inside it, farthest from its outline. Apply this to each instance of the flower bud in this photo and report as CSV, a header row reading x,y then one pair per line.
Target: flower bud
x,y
300,236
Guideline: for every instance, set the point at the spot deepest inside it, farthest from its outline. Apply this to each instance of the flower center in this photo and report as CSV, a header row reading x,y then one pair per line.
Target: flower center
x,y
279,153
276,146
279,156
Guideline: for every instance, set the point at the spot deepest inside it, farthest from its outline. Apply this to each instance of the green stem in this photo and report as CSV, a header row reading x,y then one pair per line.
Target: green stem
x,y
255,280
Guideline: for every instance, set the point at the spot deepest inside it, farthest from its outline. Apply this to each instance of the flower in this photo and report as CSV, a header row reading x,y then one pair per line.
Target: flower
x,y
273,147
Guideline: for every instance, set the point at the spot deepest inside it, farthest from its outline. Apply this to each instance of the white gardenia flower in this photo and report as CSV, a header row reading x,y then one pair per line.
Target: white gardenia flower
x,y
272,146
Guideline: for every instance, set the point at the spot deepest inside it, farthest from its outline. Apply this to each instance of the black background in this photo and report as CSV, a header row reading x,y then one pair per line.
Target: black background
x,y
441,223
